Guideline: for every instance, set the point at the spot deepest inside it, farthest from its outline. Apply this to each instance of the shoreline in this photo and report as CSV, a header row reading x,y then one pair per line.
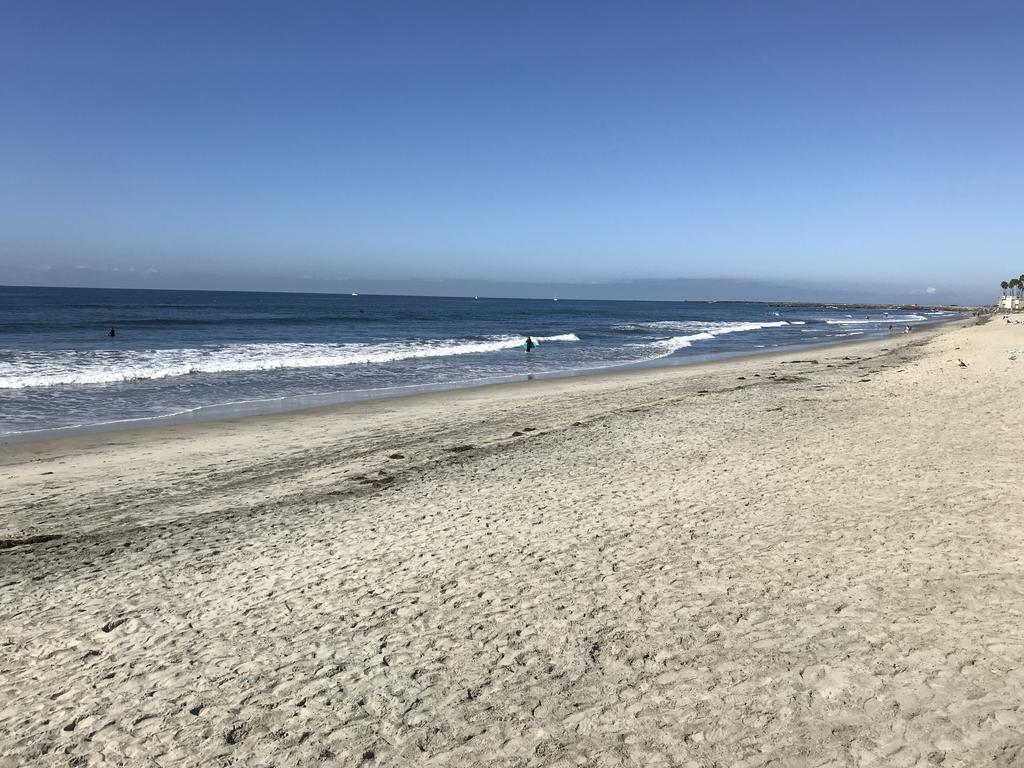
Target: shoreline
x,y
781,560
246,409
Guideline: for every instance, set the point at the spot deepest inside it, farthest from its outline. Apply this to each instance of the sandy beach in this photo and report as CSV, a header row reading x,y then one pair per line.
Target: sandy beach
x,y
806,559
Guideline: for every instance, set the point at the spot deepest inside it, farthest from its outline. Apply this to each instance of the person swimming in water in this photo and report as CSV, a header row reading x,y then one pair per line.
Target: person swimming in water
x,y
530,344
111,332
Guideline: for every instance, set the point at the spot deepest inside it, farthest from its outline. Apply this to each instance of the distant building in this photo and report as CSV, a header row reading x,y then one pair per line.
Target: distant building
x,y
1010,303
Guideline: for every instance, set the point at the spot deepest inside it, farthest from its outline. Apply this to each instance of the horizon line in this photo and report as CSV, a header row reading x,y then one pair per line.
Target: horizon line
x,y
783,302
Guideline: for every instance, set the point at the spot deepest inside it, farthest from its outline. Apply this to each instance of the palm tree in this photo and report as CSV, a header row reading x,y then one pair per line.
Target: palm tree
x,y
1004,285
1020,284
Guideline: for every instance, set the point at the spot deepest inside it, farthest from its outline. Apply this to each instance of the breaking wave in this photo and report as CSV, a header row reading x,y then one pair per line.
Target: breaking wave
x,y
703,326
102,366
876,320
705,332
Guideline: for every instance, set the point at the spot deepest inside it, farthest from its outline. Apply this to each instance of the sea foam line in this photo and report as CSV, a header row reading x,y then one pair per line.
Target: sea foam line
x,y
882,319
102,366
670,345
704,326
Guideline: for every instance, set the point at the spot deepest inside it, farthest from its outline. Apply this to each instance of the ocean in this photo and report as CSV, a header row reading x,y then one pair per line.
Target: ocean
x,y
191,355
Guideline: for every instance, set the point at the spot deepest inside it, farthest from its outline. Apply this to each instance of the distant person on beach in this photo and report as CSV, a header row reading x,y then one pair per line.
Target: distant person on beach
x,y
111,332
529,343
890,329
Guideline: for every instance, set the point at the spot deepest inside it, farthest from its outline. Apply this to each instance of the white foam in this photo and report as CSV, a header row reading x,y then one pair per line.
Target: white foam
x,y
913,318
708,331
559,337
680,342
703,326
103,366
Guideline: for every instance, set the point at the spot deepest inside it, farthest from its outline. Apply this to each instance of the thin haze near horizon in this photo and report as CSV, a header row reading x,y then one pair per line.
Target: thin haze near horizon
x,y
251,144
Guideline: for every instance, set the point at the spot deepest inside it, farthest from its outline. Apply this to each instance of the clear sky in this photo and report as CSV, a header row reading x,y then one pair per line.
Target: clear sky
x,y
537,141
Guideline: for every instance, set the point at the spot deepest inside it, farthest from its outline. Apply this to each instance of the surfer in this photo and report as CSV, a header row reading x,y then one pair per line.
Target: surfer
x,y
529,344
111,332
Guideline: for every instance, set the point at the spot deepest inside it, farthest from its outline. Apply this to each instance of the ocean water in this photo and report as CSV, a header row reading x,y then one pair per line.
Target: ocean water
x,y
187,354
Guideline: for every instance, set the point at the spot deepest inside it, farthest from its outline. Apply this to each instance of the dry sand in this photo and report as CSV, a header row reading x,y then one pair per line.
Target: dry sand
x,y
759,562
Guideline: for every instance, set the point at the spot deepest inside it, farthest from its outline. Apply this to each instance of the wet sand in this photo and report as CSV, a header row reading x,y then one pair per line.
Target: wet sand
x,y
800,560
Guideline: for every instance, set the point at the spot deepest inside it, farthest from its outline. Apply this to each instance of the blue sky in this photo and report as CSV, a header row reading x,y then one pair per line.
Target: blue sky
x,y
539,141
